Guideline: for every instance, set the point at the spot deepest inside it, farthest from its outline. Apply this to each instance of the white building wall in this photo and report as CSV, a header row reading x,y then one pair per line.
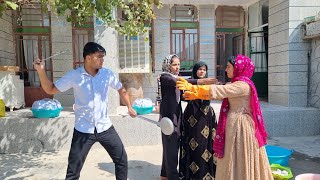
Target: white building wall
x,y
298,50
161,49
208,37
288,53
162,42
61,37
278,52
215,2
108,38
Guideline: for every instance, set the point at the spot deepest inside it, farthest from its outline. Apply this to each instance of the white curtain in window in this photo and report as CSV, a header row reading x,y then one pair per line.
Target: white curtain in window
x,y
30,50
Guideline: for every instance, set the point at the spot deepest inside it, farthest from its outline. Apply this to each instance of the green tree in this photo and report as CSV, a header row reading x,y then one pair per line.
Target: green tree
x,y
134,14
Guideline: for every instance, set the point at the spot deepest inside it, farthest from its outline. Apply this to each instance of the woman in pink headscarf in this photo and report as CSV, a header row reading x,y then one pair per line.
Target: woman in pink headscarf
x,y
241,135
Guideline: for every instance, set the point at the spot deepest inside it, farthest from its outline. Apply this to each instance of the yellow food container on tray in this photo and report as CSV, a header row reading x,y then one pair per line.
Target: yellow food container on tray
x,y
2,108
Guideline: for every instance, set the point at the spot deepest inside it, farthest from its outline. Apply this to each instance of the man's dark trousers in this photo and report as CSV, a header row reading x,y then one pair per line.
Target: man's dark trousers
x,y
81,144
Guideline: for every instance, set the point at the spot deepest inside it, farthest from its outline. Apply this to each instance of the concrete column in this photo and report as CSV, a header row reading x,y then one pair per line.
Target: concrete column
x,y
161,36
161,49
7,49
288,53
108,38
61,38
207,37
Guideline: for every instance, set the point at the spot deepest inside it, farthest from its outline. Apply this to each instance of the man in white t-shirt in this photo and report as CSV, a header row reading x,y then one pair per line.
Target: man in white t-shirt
x,y
91,84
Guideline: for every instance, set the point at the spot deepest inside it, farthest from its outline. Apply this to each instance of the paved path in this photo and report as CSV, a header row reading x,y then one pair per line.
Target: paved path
x,y
144,161
306,155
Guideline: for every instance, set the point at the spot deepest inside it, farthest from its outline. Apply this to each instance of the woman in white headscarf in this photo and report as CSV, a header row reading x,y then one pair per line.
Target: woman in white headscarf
x,y
170,107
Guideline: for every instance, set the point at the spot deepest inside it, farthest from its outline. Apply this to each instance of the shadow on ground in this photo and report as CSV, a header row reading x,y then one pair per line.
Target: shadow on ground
x,y
26,166
301,163
138,169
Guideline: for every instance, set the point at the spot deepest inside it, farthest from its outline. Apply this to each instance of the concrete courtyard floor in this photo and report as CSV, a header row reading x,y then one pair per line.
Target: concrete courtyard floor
x,y
144,161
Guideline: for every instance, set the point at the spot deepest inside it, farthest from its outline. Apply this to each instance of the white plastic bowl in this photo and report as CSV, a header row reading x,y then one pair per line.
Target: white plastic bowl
x,y
308,176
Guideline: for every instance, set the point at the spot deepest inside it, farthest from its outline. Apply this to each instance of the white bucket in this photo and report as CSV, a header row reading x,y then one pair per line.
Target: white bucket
x,y
308,176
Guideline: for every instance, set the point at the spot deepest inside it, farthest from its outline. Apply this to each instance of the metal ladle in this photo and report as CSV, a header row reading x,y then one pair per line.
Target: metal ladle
x,y
165,124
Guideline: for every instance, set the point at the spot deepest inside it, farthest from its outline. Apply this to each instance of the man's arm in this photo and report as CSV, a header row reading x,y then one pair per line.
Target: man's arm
x,y
46,84
125,97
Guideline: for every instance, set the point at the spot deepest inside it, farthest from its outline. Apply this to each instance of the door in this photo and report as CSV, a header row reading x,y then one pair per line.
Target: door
x,y
32,40
258,45
238,44
228,44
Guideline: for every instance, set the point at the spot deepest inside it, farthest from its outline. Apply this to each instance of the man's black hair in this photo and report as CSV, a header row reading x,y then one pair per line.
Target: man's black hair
x,y
232,60
91,48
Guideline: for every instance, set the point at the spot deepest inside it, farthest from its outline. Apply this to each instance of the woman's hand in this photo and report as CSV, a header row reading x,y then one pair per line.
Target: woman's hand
x,y
188,95
206,81
183,84
194,91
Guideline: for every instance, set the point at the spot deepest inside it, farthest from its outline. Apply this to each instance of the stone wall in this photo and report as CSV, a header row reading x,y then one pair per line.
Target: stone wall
x,y
314,98
313,31
7,49
20,132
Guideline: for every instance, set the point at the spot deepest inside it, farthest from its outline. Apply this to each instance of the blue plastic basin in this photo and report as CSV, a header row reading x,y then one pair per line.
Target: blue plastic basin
x,y
43,113
143,110
278,155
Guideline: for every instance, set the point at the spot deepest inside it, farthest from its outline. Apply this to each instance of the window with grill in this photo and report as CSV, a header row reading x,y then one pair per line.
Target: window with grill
x,y
134,54
81,35
185,36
